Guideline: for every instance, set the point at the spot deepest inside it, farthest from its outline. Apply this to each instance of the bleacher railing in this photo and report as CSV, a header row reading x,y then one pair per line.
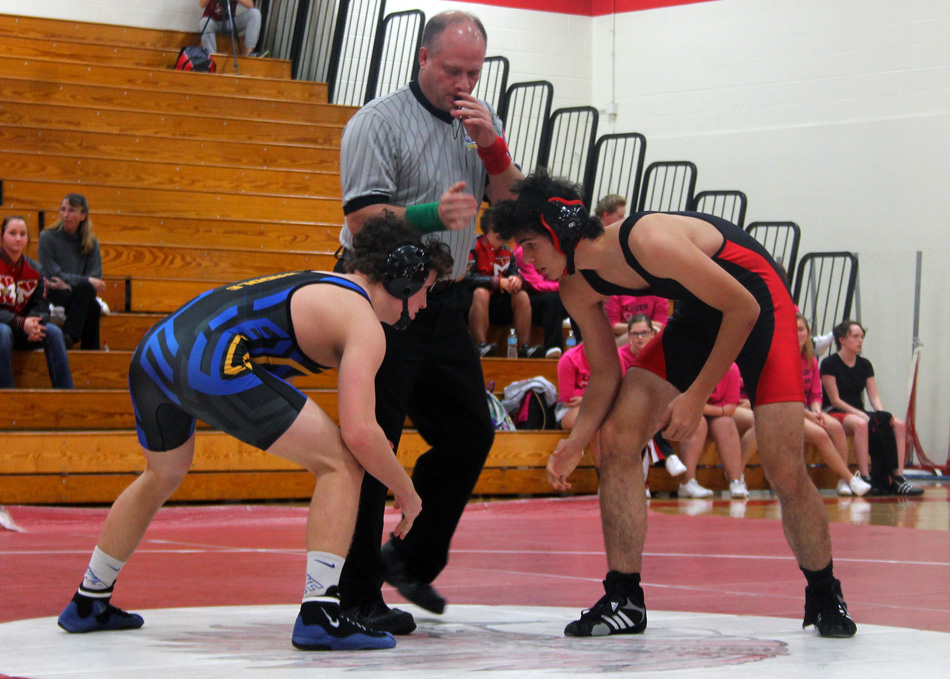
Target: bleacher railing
x,y
729,205
569,144
668,186
616,167
781,239
824,288
527,112
395,55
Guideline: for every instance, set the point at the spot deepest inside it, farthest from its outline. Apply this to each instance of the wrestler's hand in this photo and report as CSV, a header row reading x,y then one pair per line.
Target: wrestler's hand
x,y
410,505
475,118
682,417
457,209
562,462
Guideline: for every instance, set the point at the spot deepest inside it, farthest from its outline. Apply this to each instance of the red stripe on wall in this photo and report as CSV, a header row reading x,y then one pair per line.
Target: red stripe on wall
x,y
586,7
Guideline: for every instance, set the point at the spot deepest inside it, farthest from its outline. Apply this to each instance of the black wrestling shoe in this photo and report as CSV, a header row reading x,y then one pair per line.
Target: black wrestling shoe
x,y
899,486
378,616
420,593
828,613
620,611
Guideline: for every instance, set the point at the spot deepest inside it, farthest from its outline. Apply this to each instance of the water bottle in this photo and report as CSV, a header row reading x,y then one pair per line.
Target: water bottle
x,y
512,344
571,341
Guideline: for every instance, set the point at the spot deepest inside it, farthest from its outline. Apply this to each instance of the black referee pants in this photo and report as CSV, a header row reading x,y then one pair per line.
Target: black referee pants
x,y
433,374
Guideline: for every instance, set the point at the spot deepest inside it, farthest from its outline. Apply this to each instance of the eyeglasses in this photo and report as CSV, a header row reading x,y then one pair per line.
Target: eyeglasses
x,y
640,333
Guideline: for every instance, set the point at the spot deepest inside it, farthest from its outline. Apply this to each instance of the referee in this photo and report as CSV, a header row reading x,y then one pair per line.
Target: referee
x,y
429,151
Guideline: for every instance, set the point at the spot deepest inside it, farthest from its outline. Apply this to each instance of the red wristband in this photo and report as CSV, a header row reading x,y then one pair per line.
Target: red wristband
x,y
495,157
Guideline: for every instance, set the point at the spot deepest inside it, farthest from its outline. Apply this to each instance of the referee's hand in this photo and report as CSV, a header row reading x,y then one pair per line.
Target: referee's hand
x,y
457,209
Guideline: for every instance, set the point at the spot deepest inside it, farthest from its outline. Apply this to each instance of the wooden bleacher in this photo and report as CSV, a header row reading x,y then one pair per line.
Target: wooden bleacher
x,y
193,180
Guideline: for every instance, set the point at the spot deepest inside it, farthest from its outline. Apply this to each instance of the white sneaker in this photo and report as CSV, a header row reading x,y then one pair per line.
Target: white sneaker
x,y
553,352
858,485
647,488
737,488
844,488
674,466
692,489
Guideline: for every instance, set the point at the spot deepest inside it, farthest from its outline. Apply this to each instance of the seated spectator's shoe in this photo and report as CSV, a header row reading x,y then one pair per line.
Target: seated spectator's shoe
x,y
738,489
647,489
89,614
692,489
857,485
320,626
553,352
530,352
828,613
487,349
376,615
899,486
420,593
259,55
620,611
674,466
844,488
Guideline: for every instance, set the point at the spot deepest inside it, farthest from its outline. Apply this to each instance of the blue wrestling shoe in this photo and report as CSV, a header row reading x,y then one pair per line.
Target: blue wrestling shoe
x,y
90,614
321,626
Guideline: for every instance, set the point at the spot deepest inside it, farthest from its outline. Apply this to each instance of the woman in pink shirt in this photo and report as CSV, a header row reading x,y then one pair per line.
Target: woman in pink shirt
x,y
621,308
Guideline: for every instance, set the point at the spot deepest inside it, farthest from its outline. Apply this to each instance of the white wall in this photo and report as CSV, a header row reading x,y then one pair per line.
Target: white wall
x,y
538,45
831,113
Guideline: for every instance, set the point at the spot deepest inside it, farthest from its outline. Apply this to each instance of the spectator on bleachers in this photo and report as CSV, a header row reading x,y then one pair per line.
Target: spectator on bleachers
x,y
24,311
611,208
72,266
639,333
718,423
246,24
498,296
546,307
822,431
621,308
845,376
573,374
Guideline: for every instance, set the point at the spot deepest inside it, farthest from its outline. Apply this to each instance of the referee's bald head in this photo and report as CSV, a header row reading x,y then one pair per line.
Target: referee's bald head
x,y
438,24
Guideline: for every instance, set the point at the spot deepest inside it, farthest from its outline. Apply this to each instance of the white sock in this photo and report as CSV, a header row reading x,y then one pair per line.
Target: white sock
x,y
323,572
101,574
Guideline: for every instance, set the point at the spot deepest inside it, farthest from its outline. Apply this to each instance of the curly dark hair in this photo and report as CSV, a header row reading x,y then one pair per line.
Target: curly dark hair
x,y
383,234
513,219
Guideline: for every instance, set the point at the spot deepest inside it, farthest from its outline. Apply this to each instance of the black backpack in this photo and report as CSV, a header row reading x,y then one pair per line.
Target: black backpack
x,y
195,58
882,449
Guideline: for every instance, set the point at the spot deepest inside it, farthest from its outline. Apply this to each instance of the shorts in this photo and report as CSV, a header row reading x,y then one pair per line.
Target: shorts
x,y
251,405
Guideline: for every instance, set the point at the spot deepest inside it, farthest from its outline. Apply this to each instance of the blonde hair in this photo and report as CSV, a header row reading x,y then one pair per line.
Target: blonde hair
x,y
808,349
86,234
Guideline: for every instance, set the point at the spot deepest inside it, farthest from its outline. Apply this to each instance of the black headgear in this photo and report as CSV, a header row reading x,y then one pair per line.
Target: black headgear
x,y
405,272
565,219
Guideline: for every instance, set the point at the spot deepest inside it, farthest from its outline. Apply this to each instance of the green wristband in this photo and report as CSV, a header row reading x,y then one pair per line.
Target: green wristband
x,y
425,217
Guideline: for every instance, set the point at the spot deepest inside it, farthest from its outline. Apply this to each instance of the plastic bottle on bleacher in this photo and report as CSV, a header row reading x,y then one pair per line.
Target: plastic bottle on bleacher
x,y
571,341
512,344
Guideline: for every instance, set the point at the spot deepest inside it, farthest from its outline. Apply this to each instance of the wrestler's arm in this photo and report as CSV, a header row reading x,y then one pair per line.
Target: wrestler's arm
x,y
661,244
605,377
363,347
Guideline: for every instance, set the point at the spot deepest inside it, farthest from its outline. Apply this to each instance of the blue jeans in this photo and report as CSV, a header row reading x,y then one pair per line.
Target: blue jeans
x,y
52,345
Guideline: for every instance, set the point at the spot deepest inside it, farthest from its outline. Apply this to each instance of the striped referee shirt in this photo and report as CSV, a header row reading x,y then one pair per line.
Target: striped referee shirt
x,y
400,150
